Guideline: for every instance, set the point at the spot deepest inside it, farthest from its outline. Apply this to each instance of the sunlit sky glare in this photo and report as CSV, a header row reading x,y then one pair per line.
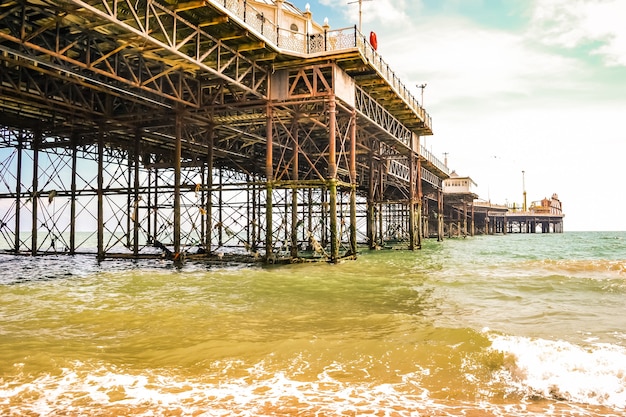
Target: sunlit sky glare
x,y
514,85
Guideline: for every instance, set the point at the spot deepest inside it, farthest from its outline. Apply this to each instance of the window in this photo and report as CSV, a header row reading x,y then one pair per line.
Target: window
x,y
294,27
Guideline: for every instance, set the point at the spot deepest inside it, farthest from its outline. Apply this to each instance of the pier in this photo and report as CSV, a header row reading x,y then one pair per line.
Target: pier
x,y
214,129
544,216
464,214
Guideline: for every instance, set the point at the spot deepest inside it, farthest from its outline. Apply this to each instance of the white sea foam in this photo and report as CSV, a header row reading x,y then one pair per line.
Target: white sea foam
x,y
593,374
105,391
111,391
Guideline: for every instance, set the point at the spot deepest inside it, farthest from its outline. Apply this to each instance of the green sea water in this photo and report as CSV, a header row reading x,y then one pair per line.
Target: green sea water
x,y
485,326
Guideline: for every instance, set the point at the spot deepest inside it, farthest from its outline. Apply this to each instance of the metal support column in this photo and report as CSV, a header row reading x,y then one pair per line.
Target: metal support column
x,y
129,203
209,193
220,208
100,235
411,205
294,196
35,191
380,238
371,207
155,211
425,213
256,207
465,232
419,198
440,215
149,206
73,198
135,208
269,173
472,221
177,168
332,180
353,185
18,194
310,216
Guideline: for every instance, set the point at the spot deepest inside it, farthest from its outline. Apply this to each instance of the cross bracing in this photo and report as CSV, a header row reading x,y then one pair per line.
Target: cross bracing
x,y
193,128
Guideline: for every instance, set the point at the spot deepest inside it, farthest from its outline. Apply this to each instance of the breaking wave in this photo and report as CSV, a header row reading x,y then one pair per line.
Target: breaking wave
x,y
539,377
557,370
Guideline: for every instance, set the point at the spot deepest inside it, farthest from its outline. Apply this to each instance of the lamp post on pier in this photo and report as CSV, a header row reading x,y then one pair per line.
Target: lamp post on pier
x,y
524,191
422,87
360,13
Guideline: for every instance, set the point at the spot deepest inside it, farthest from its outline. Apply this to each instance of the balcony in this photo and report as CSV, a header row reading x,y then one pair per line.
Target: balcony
x,y
328,42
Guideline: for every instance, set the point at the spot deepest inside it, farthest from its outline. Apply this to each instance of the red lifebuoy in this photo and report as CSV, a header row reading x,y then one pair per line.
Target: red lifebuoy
x,y
373,40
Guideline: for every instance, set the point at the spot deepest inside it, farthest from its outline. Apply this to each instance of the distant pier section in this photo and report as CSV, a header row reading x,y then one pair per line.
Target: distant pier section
x,y
466,215
544,216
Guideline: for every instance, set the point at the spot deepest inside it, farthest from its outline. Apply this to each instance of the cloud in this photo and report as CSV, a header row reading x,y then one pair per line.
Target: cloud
x,y
504,101
595,24
388,12
461,61
385,12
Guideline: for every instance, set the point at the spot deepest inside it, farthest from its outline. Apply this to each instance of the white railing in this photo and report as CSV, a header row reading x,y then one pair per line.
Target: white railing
x,y
398,170
433,160
431,178
328,41
252,17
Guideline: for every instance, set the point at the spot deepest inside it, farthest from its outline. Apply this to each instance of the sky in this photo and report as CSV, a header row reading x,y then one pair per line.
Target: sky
x,y
522,93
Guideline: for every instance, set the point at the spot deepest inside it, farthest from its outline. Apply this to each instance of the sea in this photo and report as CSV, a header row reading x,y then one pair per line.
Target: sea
x,y
506,325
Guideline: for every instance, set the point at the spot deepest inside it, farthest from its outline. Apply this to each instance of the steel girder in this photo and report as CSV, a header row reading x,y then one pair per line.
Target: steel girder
x,y
177,35
142,49
367,107
128,76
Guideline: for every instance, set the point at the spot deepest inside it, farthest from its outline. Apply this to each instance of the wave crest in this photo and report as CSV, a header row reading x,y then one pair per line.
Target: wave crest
x,y
559,370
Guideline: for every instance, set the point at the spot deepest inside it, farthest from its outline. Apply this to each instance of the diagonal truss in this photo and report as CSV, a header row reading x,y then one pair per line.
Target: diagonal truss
x,y
179,38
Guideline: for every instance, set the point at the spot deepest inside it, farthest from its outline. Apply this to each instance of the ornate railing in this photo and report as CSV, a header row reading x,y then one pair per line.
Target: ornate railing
x,y
431,178
433,160
328,41
398,170
252,17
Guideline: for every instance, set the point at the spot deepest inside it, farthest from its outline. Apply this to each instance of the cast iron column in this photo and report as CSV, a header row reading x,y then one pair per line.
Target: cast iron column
x,y
332,180
269,173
